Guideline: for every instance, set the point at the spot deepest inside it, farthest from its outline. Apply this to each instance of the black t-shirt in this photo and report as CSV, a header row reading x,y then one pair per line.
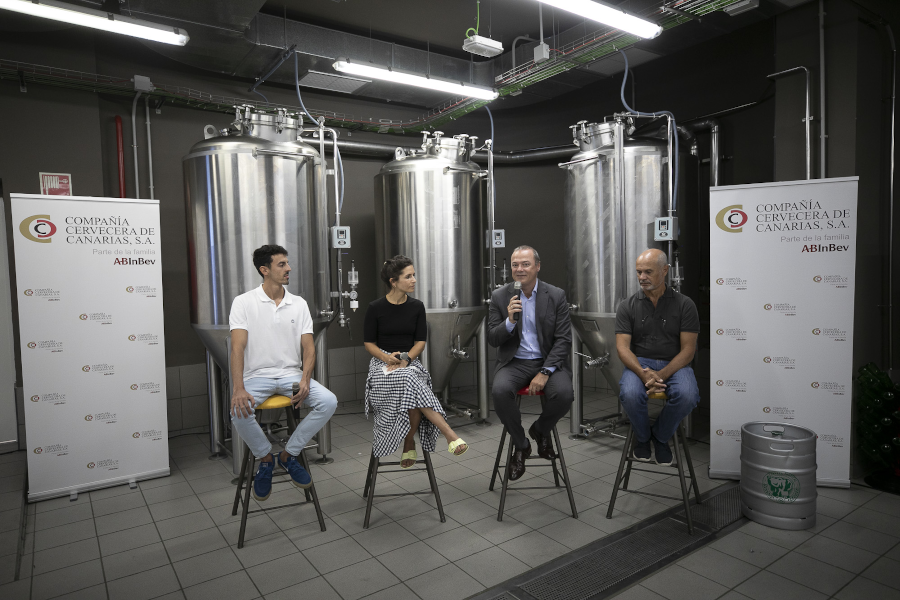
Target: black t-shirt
x,y
395,327
655,332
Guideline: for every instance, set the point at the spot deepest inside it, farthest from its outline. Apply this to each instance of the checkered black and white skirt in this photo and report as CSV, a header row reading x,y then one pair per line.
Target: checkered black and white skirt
x,y
390,396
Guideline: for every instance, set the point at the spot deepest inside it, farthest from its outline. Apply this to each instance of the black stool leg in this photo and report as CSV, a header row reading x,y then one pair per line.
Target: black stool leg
x,y
251,463
629,464
312,490
373,476
685,497
622,461
497,462
509,453
241,481
690,463
434,487
369,476
565,472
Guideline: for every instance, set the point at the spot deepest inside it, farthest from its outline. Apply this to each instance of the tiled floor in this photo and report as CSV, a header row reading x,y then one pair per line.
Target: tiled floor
x,y
853,553
175,537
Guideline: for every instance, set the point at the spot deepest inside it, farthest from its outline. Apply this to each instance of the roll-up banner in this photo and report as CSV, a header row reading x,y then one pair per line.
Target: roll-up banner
x,y
782,266
91,328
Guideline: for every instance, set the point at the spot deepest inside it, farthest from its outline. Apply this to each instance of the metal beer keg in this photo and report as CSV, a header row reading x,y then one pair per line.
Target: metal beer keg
x,y
778,475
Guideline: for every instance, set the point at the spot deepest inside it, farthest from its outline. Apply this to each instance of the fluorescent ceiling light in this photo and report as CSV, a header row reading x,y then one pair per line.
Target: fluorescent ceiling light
x,y
431,83
97,19
608,15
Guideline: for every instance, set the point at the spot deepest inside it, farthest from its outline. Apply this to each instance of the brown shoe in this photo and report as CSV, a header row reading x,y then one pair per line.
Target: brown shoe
x,y
544,444
517,463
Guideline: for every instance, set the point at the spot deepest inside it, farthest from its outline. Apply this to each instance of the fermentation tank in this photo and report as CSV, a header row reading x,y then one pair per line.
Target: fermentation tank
x,y
616,186
429,206
243,191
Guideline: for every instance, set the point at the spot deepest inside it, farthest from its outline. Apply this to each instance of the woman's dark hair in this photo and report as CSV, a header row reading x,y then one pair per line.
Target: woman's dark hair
x,y
262,257
393,267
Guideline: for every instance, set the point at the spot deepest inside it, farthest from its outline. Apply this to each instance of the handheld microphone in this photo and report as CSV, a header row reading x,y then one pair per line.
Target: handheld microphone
x,y
518,287
295,388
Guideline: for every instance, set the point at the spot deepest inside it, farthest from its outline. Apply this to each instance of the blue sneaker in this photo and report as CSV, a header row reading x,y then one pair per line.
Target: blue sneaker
x,y
663,455
262,481
299,475
641,451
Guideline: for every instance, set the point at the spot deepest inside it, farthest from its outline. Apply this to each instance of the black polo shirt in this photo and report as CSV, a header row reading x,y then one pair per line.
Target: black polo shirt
x,y
656,332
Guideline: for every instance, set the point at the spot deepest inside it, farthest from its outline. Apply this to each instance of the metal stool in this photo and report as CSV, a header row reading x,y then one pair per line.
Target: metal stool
x,y
628,457
245,481
375,465
557,473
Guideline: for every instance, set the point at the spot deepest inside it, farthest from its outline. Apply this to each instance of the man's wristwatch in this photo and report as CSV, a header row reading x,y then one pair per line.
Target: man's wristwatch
x,y
404,356
546,371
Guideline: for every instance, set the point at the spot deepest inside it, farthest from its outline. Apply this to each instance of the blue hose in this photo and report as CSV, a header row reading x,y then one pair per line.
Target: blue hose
x,y
263,97
656,114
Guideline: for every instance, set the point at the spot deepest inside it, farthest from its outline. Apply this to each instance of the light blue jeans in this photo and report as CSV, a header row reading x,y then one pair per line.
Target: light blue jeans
x,y
320,400
683,396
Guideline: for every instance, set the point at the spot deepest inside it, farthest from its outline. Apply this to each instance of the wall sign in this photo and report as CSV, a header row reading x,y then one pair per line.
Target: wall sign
x,y
56,184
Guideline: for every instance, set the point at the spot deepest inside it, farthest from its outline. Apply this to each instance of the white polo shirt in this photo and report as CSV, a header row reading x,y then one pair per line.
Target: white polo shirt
x,y
273,333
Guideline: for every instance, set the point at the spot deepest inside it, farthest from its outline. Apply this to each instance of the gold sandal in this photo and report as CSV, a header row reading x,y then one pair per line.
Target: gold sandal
x,y
456,444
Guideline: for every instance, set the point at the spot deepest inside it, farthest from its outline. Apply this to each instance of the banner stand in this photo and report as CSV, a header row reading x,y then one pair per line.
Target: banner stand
x,y
91,328
782,271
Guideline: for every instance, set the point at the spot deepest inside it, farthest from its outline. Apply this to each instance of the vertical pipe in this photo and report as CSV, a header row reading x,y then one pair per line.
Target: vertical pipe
x,y
808,129
822,134
320,374
670,152
120,156
149,145
214,385
481,370
577,409
619,175
137,179
714,155
541,20
492,254
890,306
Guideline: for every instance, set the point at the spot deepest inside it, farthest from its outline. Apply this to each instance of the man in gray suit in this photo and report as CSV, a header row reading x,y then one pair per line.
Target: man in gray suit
x,y
533,350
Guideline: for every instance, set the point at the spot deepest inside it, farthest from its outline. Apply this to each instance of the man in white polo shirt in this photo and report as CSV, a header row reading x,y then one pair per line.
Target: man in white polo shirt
x,y
272,348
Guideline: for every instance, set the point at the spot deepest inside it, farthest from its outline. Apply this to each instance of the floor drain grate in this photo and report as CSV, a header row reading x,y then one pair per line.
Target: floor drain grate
x,y
607,565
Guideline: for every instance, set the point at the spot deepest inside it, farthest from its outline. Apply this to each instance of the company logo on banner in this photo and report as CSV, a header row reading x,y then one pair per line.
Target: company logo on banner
x,y
731,219
92,254
797,249
37,228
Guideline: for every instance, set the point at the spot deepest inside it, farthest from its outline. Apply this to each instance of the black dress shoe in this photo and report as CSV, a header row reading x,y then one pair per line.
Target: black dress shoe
x,y
517,463
544,444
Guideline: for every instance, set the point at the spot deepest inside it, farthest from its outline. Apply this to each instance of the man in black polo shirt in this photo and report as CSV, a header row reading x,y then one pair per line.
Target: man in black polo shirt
x,y
656,337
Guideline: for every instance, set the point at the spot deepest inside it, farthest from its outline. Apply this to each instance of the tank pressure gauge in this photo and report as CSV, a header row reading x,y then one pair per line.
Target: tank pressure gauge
x,y
496,238
665,229
340,237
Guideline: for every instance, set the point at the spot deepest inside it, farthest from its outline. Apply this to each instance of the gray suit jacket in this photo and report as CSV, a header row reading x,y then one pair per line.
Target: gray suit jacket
x,y
554,328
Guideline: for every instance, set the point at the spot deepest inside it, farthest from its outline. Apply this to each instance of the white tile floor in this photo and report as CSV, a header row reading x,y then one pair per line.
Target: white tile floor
x,y
175,537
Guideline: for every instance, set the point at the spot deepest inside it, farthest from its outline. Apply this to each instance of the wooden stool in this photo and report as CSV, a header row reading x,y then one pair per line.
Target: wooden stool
x,y
557,473
375,465
248,466
627,457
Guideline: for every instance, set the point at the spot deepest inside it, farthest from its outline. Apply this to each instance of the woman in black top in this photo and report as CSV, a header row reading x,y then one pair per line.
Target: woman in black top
x,y
398,389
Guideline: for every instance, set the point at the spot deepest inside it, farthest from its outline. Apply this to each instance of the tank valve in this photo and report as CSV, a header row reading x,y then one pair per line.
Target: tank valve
x,y
458,351
327,313
599,362
453,303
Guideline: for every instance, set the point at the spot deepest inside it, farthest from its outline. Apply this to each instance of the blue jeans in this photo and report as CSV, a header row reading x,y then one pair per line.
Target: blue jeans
x,y
683,396
320,400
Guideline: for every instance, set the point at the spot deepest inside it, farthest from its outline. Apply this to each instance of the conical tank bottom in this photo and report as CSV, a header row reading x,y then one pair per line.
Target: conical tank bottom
x,y
214,337
444,326
598,332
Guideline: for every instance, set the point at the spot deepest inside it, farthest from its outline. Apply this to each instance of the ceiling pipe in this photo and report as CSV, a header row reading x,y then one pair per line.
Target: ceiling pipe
x,y
516,41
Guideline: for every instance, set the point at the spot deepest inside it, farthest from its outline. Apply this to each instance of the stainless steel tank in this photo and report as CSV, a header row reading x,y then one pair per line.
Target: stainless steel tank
x,y
429,206
616,186
242,192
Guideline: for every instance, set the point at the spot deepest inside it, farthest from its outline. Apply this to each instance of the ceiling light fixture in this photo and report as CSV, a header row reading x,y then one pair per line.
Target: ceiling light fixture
x,y
97,19
608,15
432,83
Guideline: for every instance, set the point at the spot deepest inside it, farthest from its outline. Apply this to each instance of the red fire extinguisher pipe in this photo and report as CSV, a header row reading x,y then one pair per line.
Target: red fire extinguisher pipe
x,y
120,154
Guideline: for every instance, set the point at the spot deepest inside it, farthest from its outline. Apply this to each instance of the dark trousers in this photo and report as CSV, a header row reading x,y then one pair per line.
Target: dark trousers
x,y
515,375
